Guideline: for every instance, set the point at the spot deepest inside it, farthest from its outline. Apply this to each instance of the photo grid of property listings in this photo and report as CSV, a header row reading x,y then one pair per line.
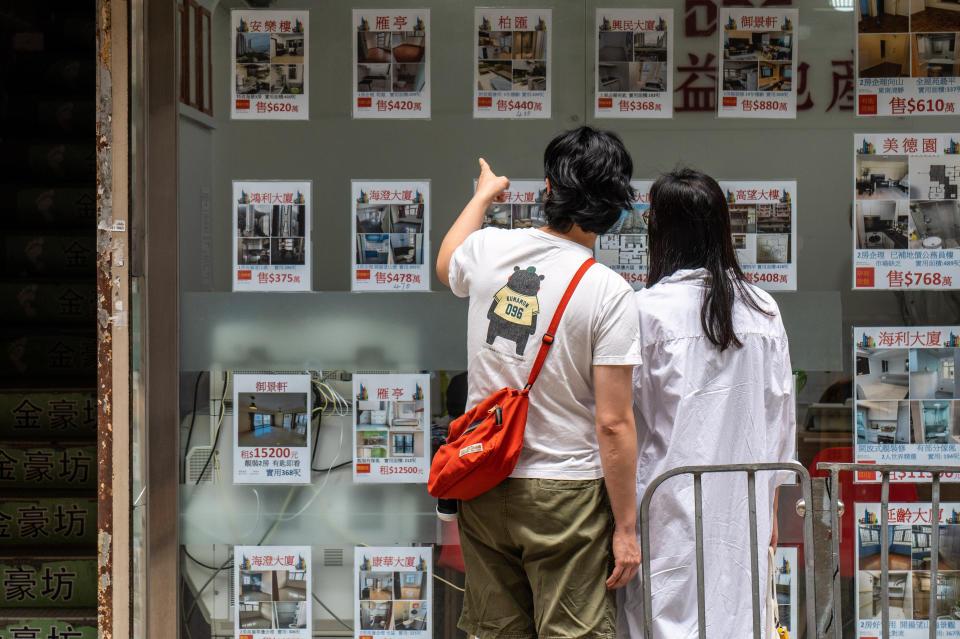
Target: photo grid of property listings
x,y
271,237
390,228
906,57
512,66
634,56
907,226
763,225
392,591
269,65
912,594
391,63
907,397
391,421
271,415
758,55
272,592
522,207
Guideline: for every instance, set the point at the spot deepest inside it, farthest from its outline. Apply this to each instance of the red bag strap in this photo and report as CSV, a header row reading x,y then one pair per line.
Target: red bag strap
x,y
548,337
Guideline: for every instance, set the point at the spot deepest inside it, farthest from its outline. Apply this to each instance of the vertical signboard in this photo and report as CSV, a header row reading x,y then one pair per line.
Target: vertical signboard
x,y
269,65
391,421
272,592
393,588
907,218
271,235
912,595
906,398
390,232
391,63
906,57
634,73
758,59
271,415
511,66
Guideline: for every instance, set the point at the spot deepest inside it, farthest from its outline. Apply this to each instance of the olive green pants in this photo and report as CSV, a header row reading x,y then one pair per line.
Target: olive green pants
x,y
537,553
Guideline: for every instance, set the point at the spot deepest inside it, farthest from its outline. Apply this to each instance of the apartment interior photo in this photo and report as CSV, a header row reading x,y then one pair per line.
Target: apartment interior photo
x,y
373,77
882,374
252,79
389,234
949,555
287,48
271,419
943,602
409,46
900,592
273,599
632,61
286,79
883,422
376,615
529,216
884,16
253,251
741,76
775,76
934,422
882,177
498,216
374,46
899,547
937,224
757,45
934,55
529,75
883,224
409,78
494,76
934,15
932,373
885,55
410,615
377,586
390,428
495,45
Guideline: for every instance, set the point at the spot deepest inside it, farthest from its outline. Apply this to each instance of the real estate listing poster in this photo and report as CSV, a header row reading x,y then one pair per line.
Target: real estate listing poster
x,y
511,68
392,591
522,206
634,63
269,64
391,428
907,398
390,227
758,55
624,247
272,592
906,57
271,237
763,222
391,63
907,223
910,592
785,576
271,428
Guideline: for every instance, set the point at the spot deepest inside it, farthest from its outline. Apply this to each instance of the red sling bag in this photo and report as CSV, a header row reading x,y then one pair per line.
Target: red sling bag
x,y
484,443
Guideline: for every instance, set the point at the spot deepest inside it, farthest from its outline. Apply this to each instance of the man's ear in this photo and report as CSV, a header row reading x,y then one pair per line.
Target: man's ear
x,y
547,180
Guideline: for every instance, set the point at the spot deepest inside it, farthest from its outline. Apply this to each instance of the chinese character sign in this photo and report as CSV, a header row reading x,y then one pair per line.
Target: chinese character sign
x,y
758,61
272,592
634,76
511,67
391,235
271,429
391,63
905,62
906,408
624,246
269,64
907,219
522,206
392,589
271,236
391,428
913,598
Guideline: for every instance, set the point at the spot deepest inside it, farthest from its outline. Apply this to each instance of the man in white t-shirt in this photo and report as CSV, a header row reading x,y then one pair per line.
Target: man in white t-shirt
x,y
539,547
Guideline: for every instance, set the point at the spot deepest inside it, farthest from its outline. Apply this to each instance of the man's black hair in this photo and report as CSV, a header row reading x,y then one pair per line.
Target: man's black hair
x,y
589,173
689,228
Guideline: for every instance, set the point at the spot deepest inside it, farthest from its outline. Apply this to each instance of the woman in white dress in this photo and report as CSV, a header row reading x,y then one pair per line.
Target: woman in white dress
x,y
715,387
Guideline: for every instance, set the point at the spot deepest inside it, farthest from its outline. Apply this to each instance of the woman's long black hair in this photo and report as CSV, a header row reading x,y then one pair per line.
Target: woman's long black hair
x,y
689,227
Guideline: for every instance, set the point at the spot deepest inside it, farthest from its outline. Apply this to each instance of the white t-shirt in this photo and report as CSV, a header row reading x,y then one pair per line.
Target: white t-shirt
x,y
515,279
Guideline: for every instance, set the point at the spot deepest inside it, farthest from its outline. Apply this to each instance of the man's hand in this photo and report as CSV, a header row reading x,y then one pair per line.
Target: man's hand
x,y
490,187
626,556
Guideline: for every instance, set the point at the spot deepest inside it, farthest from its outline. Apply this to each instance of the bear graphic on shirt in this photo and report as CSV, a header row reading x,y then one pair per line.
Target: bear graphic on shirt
x,y
514,310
